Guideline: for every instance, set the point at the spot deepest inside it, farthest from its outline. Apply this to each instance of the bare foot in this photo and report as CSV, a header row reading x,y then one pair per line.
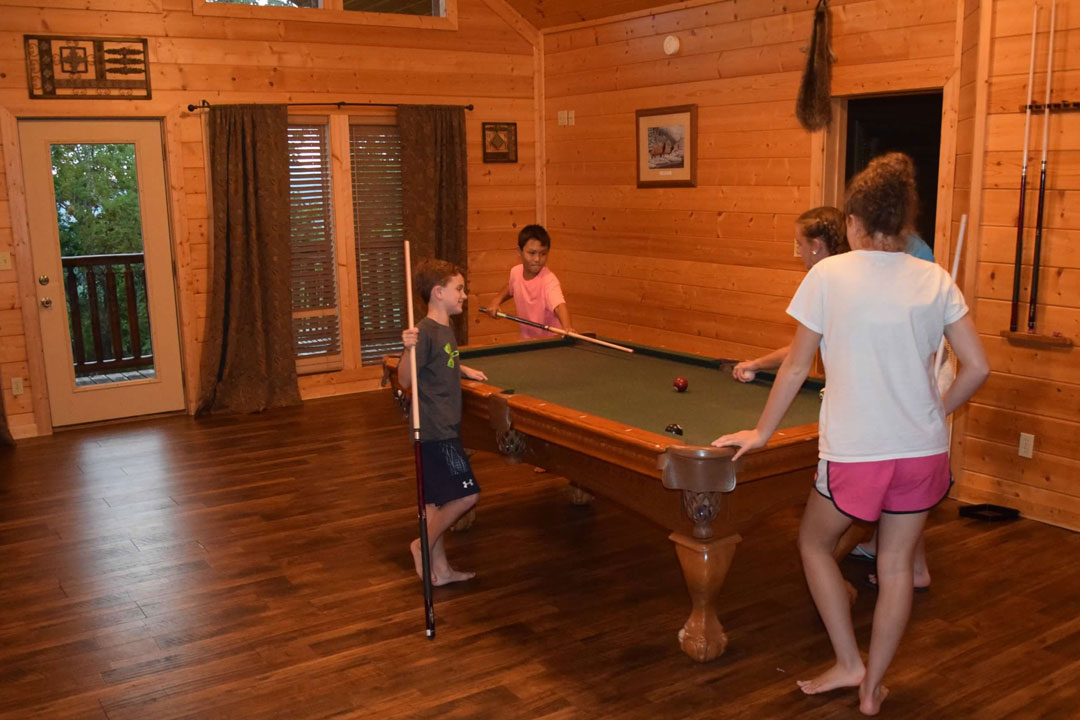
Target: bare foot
x,y
418,560
450,576
870,702
833,678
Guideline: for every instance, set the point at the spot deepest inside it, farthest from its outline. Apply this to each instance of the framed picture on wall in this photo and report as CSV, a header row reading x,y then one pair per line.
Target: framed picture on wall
x,y
500,142
667,147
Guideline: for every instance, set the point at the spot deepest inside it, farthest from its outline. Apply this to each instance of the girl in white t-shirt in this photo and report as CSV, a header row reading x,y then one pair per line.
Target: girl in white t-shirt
x,y
877,315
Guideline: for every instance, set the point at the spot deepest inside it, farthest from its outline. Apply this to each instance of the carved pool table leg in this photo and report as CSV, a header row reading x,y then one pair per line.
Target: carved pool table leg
x,y
577,496
705,564
465,521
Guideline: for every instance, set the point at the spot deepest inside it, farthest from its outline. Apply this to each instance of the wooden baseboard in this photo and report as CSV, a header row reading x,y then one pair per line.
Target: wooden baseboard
x,y
22,432
1030,509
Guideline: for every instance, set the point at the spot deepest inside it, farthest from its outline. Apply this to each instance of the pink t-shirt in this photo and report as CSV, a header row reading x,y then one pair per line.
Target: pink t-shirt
x,y
536,299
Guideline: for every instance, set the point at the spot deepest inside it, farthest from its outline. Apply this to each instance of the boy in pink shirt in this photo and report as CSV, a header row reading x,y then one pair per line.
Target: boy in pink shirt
x,y
535,289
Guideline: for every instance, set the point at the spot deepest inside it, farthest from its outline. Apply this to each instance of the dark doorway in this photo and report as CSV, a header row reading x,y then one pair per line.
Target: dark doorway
x,y
903,123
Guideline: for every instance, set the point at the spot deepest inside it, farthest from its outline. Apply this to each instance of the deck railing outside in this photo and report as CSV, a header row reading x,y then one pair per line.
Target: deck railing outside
x,y
107,300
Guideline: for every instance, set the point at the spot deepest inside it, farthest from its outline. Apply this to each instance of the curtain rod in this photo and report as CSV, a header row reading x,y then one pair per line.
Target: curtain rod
x,y
204,105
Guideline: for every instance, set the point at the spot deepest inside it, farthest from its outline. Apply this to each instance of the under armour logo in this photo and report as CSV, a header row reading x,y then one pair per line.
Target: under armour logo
x,y
467,483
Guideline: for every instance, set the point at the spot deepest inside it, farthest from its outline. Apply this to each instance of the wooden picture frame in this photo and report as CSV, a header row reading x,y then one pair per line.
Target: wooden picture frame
x,y
63,67
667,146
500,142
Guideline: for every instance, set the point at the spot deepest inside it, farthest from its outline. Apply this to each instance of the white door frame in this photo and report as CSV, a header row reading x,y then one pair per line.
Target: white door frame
x,y
165,392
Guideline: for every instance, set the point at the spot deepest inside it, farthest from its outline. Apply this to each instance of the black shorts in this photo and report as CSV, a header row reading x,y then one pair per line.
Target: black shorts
x,y
447,473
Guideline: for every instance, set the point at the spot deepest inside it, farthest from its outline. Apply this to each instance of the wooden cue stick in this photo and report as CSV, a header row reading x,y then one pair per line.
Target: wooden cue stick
x,y
955,268
558,331
1014,311
1042,178
421,506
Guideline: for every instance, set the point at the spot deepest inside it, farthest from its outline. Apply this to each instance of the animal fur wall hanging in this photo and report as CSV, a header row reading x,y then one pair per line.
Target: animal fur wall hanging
x,y
812,106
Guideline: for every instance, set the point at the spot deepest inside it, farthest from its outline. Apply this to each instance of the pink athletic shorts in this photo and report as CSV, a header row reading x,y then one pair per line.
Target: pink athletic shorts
x,y
864,490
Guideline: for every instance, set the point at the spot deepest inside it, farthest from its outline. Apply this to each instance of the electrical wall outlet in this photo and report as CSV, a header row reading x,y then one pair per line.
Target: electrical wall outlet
x,y
569,117
1027,444
5,260
16,386
562,117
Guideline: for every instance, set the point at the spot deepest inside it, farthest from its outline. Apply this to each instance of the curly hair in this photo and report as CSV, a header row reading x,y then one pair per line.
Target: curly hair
x,y
904,164
826,223
432,273
884,198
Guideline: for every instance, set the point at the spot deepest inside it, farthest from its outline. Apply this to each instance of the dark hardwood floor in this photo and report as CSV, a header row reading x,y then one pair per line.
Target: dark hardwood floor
x,y
257,567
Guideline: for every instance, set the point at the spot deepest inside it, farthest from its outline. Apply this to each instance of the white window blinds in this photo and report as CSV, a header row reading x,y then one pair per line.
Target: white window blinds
x,y
375,152
314,279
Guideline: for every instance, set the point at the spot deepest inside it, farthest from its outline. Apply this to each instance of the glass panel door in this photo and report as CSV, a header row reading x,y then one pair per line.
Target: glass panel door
x,y
103,264
97,213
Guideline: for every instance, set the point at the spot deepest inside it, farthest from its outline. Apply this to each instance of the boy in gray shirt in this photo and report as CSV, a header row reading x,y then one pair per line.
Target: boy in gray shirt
x,y
450,488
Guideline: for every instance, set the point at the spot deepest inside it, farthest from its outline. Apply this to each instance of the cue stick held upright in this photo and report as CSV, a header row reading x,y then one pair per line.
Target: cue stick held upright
x,y
421,507
1014,312
1042,177
557,331
955,268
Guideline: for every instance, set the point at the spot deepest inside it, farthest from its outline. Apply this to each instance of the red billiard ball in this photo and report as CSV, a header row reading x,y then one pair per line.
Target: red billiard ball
x,y
681,384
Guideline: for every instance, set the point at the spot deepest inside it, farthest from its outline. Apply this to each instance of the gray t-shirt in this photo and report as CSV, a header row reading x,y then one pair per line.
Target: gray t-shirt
x,y
438,373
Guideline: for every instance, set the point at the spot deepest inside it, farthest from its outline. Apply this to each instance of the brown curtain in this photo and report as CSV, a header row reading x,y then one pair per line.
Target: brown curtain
x,y
435,187
248,362
5,434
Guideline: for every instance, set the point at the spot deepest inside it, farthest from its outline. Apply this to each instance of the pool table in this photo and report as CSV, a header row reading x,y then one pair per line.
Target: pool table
x,y
599,417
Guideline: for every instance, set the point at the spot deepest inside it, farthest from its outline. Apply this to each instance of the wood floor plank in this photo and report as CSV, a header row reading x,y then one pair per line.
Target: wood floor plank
x,y
257,567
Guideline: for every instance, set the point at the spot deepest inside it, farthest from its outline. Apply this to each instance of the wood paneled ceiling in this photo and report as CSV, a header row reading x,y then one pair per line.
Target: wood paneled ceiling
x,y
553,13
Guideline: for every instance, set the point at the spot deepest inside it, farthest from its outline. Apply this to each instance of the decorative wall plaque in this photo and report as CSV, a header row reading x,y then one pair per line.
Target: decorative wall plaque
x,y
500,142
67,68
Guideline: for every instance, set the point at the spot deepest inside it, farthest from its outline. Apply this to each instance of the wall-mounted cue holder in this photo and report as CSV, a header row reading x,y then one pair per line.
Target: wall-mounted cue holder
x,y
1022,337
1063,106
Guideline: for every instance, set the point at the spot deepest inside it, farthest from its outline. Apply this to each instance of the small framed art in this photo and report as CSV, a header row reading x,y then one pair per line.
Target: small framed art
x,y
500,142
667,147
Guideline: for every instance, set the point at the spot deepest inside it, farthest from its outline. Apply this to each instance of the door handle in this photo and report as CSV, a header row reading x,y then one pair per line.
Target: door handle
x,y
46,303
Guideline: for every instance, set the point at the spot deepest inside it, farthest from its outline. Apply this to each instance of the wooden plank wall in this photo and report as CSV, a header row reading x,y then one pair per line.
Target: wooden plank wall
x,y
557,13
12,342
488,61
1034,390
707,269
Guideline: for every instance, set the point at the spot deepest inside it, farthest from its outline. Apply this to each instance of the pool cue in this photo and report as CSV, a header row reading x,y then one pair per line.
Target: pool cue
x,y
1042,178
941,346
955,269
1014,312
421,506
557,331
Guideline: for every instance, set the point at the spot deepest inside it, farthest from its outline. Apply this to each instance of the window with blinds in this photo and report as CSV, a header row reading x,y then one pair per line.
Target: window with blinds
x,y
375,151
316,325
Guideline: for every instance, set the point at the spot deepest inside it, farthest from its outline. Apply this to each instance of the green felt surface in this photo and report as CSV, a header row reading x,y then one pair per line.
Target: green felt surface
x,y
637,389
